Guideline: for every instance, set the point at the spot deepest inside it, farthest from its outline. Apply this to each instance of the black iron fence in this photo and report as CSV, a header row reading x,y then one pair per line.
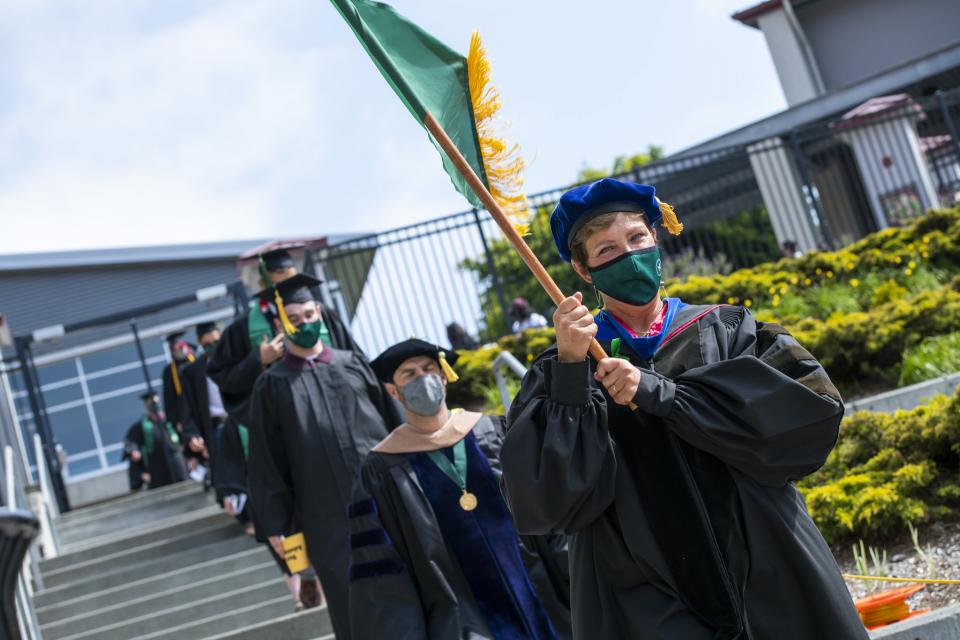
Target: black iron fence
x,y
819,187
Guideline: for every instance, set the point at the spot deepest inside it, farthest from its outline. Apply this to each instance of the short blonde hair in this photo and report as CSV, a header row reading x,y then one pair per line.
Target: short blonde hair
x,y
578,245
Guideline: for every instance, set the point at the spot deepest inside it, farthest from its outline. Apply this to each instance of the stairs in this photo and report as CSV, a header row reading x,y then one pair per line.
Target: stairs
x,y
163,565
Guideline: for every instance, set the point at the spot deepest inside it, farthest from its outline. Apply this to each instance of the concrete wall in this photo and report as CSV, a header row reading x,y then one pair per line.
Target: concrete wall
x,y
854,39
111,484
795,78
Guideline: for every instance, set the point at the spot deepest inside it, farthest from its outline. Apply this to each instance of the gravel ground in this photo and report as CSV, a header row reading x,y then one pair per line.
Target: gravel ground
x,y
903,562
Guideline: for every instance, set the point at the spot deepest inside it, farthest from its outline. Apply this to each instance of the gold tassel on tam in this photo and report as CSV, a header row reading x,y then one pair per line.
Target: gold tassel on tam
x,y
446,368
288,327
501,161
670,220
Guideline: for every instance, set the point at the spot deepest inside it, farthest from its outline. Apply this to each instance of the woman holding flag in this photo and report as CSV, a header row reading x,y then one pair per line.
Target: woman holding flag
x,y
671,463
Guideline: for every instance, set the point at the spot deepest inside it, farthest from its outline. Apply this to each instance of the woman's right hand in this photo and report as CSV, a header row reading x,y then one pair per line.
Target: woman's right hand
x,y
575,329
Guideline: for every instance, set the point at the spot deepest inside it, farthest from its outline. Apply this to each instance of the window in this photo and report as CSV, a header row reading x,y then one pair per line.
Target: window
x,y
57,372
109,359
115,456
115,415
71,428
100,384
156,369
70,393
77,465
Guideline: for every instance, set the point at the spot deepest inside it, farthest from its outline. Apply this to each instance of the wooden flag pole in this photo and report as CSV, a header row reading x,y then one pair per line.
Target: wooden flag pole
x,y
526,253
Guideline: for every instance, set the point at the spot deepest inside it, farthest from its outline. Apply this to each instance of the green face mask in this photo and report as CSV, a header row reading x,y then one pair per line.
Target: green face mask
x,y
307,334
633,278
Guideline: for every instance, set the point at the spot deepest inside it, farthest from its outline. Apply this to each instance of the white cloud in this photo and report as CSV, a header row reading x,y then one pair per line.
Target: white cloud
x,y
122,133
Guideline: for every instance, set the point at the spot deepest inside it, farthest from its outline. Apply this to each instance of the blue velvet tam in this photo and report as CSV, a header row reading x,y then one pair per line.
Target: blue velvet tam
x,y
580,204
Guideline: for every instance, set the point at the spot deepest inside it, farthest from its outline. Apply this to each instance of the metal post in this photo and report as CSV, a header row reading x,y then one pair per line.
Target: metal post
x,y
8,478
492,268
802,168
41,422
240,298
951,128
143,359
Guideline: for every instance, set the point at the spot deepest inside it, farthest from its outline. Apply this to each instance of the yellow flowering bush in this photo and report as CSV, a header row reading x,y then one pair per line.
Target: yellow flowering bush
x,y
930,247
886,470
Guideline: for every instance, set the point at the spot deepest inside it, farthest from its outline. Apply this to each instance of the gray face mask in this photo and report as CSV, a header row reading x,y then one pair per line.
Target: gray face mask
x,y
423,395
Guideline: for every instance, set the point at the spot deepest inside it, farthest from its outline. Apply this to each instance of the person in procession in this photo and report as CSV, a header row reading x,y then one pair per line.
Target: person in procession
x,y
671,462
436,554
234,365
254,341
315,413
152,445
181,354
203,413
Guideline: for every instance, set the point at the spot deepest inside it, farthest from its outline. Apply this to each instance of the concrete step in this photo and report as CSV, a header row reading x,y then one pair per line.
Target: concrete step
x,y
125,537
144,514
313,624
193,583
174,535
100,578
131,500
142,554
265,612
123,624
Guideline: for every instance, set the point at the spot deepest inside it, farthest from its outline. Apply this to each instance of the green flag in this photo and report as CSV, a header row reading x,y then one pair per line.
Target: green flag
x,y
430,77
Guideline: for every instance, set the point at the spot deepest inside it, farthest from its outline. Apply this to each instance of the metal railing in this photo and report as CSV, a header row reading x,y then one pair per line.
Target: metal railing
x,y
821,186
29,575
506,360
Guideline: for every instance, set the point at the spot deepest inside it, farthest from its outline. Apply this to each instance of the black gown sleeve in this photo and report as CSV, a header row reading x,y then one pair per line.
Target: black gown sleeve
x,y
269,484
559,466
546,556
235,366
384,600
769,410
188,418
171,401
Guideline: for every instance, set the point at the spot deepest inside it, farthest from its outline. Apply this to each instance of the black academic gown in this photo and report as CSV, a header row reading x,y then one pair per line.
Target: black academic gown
x,y
197,421
314,423
196,406
172,402
235,365
684,518
427,595
164,463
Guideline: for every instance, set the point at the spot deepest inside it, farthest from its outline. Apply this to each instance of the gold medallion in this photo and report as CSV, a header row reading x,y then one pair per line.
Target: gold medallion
x,y
468,501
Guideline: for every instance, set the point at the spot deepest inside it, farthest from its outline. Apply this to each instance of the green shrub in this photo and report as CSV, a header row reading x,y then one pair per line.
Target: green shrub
x,y
888,470
935,356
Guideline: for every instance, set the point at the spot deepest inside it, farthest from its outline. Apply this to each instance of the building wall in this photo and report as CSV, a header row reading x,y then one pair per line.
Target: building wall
x,y
854,39
796,79
34,299
91,379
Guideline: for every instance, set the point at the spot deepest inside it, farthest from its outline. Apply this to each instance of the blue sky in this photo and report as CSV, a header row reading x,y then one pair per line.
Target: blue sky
x,y
126,122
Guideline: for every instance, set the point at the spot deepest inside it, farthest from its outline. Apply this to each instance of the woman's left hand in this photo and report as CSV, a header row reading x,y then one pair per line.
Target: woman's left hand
x,y
620,378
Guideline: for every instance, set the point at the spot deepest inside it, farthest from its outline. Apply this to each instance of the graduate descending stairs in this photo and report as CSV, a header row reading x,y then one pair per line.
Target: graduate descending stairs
x,y
162,565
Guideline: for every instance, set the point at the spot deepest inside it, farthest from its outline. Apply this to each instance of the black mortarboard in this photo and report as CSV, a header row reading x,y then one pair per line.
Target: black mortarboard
x,y
298,288
174,337
206,327
146,395
386,364
277,259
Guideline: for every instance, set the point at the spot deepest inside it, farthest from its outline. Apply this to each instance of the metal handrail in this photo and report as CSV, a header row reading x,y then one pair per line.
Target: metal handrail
x,y
506,360
26,614
49,511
